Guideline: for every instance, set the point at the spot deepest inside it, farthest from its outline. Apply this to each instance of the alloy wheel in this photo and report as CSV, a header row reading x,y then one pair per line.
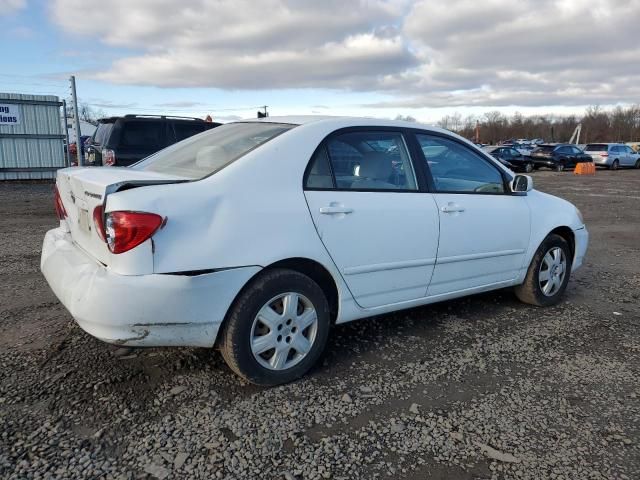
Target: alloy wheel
x,y
284,331
552,271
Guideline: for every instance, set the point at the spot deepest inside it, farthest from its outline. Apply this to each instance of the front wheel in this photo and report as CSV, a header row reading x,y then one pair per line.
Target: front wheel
x,y
637,164
277,328
548,273
560,167
528,167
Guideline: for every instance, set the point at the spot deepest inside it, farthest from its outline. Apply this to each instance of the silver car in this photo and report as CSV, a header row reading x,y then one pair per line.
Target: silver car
x,y
613,155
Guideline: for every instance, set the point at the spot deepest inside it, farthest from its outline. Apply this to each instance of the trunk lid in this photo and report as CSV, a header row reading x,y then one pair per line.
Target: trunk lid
x,y
83,189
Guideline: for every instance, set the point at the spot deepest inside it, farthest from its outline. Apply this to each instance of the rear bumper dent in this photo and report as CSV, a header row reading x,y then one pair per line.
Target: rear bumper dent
x,y
144,310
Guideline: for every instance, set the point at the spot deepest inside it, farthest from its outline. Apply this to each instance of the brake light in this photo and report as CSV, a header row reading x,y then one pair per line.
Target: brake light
x,y
127,230
108,157
98,221
61,213
604,154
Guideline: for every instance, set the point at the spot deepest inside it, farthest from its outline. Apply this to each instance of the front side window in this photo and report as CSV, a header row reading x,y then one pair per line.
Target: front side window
x,y
201,155
457,169
371,161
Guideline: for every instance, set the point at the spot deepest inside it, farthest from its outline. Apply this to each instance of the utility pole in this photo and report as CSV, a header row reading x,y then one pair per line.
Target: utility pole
x,y
66,133
76,121
263,114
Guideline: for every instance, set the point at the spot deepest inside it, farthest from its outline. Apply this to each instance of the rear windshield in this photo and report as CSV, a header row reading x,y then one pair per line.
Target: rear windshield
x,y
206,153
102,133
546,148
596,147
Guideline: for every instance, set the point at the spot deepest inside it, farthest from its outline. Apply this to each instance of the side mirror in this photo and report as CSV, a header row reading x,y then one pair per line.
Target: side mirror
x,y
522,184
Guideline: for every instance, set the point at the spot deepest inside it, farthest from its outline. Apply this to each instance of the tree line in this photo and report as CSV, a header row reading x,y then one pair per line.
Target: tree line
x,y
619,124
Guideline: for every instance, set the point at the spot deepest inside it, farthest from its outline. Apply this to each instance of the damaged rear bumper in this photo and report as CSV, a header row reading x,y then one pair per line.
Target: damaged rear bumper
x,y
144,310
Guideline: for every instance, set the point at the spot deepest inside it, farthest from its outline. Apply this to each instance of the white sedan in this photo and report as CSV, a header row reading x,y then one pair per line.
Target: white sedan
x,y
257,236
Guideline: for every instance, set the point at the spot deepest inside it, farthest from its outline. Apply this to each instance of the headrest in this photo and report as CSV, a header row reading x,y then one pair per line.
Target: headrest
x,y
376,165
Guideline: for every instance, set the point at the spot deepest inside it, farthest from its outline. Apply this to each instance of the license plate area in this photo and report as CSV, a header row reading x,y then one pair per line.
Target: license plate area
x,y
83,220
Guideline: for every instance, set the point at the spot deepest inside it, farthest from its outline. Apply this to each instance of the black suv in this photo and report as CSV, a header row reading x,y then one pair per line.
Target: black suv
x,y
558,157
122,141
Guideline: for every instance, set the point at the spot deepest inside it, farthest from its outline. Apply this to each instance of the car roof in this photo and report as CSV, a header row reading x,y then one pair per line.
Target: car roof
x,y
342,122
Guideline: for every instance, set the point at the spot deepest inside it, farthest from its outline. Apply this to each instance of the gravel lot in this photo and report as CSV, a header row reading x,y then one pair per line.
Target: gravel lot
x,y
483,387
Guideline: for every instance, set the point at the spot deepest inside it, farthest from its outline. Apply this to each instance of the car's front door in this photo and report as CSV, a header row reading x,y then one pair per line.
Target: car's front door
x,y
630,157
484,229
379,228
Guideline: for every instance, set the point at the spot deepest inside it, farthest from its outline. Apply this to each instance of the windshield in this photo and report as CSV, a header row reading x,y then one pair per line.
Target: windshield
x,y
206,153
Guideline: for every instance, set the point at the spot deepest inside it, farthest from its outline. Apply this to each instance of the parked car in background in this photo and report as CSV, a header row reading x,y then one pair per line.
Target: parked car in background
x,y
558,157
123,141
525,149
613,155
222,247
511,158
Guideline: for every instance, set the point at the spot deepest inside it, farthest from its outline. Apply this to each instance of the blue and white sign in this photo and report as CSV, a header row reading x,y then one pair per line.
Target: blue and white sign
x,y
9,114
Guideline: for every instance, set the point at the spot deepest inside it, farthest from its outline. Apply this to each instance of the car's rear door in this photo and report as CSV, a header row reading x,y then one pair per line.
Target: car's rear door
x,y
373,215
484,229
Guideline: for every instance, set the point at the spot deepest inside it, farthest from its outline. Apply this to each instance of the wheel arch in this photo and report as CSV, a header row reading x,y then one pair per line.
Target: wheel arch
x,y
311,268
568,235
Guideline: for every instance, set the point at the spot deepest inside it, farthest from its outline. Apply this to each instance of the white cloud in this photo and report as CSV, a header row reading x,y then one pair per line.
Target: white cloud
x,y
423,53
11,6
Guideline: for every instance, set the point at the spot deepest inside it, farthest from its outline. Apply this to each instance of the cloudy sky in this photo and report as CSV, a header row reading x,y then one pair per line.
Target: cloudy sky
x,y
425,58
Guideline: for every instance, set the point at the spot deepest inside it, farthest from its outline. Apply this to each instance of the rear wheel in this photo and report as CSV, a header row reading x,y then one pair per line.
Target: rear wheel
x,y
528,167
277,328
548,273
615,165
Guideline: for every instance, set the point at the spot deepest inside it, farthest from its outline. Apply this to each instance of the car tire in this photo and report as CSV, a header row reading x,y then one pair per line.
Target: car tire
x,y
615,165
560,167
259,304
637,164
528,167
536,289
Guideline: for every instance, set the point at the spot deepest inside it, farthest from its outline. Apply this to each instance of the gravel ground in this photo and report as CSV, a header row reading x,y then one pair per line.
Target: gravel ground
x,y
482,387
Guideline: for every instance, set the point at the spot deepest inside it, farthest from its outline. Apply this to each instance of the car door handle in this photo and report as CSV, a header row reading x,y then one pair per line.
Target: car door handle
x,y
335,210
452,208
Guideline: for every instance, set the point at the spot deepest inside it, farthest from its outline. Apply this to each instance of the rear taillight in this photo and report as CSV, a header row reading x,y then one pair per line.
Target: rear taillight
x,y
57,203
108,157
127,230
98,221
604,154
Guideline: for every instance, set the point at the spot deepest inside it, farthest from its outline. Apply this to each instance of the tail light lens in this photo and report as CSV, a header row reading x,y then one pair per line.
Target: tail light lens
x,y
127,230
604,154
98,221
61,213
108,157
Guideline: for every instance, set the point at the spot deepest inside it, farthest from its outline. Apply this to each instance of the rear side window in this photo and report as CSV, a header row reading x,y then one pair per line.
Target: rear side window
x,y
457,169
187,129
596,147
200,156
319,173
143,134
371,161
102,133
